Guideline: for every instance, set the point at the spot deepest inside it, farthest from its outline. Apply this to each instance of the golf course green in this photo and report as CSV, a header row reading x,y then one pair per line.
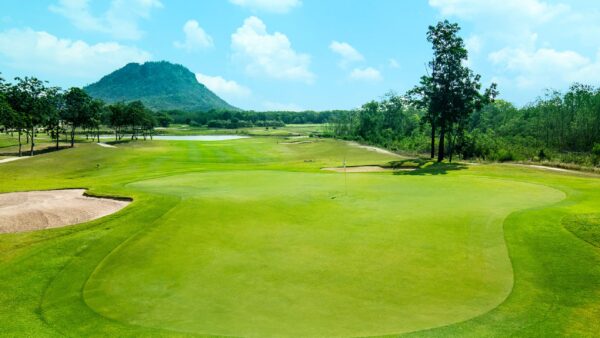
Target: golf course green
x,y
250,237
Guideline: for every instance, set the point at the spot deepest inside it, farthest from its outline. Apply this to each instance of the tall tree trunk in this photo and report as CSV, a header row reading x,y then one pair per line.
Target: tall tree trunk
x,y
98,133
57,137
441,149
432,140
72,136
32,141
20,144
452,142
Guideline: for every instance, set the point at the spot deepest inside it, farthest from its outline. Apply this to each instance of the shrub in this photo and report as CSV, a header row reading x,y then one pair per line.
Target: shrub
x,y
504,155
596,149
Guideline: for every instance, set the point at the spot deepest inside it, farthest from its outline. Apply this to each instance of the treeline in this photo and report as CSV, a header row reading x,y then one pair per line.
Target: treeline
x,y
447,113
391,122
244,119
29,106
562,127
558,126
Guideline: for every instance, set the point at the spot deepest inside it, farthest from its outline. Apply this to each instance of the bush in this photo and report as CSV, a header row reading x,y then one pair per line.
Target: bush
x,y
596,149
504,155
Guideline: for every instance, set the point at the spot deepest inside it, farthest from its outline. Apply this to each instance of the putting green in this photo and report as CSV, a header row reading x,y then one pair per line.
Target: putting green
x,y
275,253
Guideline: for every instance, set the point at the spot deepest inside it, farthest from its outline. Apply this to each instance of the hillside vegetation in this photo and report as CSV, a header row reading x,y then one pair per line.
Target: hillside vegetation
x,y
159,85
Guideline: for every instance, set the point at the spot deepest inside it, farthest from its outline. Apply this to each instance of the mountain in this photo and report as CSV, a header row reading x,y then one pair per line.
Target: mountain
x,y
159,85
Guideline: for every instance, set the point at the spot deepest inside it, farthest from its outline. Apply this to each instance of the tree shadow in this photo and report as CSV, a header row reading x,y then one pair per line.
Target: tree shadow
x,y
115,142
422,167
26,150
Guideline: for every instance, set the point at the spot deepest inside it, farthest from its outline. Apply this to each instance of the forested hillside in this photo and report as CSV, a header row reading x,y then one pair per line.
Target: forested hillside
x,y
159,85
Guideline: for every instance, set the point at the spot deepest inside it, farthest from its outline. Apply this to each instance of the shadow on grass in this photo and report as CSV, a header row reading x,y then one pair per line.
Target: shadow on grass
x,y
113,142
422,166
25,151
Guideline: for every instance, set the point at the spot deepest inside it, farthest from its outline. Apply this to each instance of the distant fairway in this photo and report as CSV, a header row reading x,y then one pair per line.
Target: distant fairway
x,y
250,238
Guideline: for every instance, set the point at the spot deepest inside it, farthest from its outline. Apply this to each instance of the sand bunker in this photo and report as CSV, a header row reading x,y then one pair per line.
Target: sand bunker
x,y
34,210
105,145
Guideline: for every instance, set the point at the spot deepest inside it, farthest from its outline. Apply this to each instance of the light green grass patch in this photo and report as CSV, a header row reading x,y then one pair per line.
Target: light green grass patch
x,y
270,253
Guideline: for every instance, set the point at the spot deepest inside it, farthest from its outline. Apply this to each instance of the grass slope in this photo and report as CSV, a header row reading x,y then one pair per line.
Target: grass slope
x,y
249,237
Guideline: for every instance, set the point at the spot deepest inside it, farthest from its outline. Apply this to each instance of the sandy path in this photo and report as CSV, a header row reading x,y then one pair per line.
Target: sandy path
x,y
375,149
552,168
10,159
34,210
105,145
543,167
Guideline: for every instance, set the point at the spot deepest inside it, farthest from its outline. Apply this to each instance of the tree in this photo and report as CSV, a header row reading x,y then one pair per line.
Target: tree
x,y
7,114
420,97
369,120
135,116
451,91
93,121
25,98
163,120
55,105
75,114
149,121
117,117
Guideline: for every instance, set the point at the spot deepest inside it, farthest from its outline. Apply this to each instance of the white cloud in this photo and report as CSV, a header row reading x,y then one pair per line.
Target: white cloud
x,y
474,44
273,6
227,89
348,53
275,106
267,54
195,37
46,54
522,38
120,20
532,10
366,74
546,67
393,63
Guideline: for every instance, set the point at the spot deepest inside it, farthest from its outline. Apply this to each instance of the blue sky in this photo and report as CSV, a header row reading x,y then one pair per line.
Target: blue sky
x,y
303,54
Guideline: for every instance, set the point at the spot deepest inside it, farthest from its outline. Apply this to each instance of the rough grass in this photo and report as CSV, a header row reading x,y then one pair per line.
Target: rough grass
x,y
249,237
586,227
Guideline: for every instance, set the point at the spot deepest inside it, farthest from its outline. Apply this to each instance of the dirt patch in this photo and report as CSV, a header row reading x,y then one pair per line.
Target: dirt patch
x,y
543,167
375,149
34,210
362,169
552,168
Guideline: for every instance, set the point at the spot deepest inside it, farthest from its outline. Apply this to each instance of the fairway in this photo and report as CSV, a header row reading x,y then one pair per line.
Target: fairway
x,y
250,237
